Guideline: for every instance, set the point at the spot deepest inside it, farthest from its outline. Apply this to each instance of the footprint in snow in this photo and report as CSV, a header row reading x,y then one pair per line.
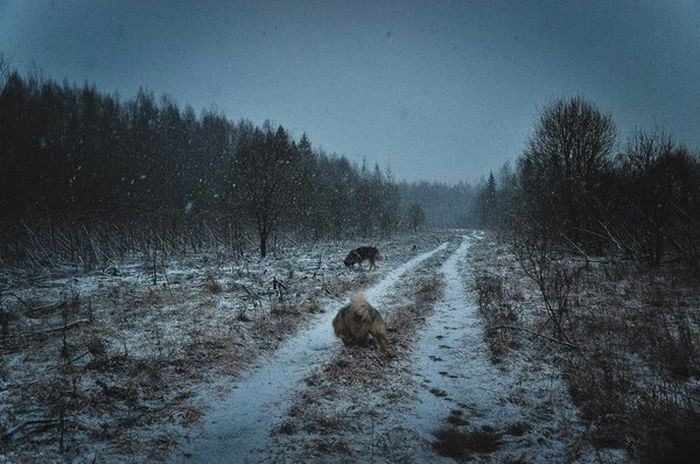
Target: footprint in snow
x,y
439,392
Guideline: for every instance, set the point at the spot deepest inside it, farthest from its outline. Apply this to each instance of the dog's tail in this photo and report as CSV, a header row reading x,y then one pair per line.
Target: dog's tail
x,y
359,304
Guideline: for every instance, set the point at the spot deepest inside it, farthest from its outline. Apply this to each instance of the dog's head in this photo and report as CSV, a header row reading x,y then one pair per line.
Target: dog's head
x,y
348,261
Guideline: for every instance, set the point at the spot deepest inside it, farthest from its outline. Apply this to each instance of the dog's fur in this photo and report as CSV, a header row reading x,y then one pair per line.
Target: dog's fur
x,y
356,321
358,255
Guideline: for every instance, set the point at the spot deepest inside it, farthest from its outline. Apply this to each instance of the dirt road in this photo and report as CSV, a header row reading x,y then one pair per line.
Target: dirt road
x,y
439,399
239,425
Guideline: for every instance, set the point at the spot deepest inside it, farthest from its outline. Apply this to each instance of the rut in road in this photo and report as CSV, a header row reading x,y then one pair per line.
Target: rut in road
x,y
238,425
469,408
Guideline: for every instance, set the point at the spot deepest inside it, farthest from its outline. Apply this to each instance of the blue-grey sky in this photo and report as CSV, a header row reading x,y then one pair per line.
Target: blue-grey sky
x,y
437,90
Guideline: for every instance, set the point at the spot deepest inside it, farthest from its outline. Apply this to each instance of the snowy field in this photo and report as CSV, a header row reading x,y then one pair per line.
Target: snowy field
x,y
236,361
119,364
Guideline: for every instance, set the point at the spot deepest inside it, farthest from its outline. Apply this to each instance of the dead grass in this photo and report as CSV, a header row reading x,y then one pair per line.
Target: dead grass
x,y
518,429
429,290
118,385
143,348
212,284
497,310
456,418
666,429
286,428
632,376
347,284
637,334
462,445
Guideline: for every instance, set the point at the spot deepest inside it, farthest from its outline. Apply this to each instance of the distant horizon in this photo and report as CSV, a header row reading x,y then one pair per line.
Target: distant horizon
x,y
438,92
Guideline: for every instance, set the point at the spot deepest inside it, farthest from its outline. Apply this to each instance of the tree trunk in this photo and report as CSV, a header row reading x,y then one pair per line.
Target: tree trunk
x,y
263,244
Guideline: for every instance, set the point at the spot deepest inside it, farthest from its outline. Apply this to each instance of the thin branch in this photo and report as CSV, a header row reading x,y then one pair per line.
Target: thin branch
x,y
68,325
49,307
27,305
532,332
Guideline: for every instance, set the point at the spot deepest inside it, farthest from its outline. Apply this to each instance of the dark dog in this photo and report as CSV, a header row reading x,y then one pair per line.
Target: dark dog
x,y
356,321
358,255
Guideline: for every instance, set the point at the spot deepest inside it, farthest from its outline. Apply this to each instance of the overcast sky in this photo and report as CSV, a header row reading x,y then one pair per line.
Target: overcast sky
x,y
437,90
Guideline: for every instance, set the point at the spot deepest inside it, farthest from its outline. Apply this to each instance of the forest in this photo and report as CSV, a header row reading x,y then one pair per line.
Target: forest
x,y
575,189
78,168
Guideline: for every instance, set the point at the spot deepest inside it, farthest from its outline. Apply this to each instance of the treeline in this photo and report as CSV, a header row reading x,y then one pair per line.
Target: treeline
x,y
443,205
66,149
74,156
573,189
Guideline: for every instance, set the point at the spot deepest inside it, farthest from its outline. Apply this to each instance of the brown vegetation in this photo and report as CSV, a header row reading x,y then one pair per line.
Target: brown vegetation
x,y
115,365
632,363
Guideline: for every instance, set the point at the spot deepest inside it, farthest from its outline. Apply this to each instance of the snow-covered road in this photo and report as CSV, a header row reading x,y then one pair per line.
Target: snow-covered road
x,y
514,411
239,424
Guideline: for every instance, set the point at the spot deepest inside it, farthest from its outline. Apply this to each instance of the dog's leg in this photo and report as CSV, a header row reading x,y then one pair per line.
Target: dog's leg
x,y
381,342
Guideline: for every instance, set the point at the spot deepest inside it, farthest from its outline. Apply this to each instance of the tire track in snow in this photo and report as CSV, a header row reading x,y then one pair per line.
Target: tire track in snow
x,y
458,380
239,424
440,350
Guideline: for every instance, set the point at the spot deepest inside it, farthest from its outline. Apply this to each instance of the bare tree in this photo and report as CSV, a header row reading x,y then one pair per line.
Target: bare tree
x,y
563,166
658,211
535,246
264,172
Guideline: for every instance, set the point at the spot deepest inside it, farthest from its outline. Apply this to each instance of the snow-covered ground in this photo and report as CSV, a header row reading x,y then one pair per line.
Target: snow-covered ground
x,y
218,363
140,359
240,423
515,412
440,400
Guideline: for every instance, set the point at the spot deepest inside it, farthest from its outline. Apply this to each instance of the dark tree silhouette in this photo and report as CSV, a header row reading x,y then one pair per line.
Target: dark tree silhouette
x,y
563,166
77,164
444,205
486,203
416,216
265,174
570,193
661,204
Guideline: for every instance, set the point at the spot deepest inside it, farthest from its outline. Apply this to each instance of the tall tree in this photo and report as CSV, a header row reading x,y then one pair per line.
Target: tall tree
x,y
264,164
563,165
662,198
